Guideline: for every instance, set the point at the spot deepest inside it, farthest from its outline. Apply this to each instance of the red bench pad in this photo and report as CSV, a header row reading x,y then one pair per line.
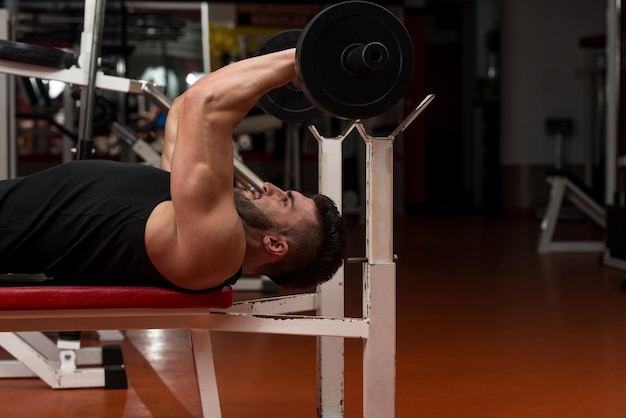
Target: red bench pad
x,y
104,297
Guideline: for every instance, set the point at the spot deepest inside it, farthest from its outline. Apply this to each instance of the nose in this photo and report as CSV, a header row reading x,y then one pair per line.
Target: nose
x,y
269,189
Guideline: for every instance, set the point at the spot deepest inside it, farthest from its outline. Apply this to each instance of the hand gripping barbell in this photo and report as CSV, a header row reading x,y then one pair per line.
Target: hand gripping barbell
x,y
354,60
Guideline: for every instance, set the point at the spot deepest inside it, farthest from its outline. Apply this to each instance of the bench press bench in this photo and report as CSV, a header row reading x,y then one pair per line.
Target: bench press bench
x,y
26,312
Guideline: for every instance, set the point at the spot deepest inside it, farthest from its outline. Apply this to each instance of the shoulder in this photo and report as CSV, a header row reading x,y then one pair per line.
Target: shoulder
x,y
214,254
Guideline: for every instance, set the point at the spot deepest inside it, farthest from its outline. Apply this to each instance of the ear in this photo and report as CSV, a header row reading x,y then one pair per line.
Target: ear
x,y
275,245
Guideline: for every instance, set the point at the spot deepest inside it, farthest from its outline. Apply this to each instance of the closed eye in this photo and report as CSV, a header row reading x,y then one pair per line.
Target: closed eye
x,y
288,199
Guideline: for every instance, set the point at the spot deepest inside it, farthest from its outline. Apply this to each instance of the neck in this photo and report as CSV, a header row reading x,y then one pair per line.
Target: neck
x,y
254,258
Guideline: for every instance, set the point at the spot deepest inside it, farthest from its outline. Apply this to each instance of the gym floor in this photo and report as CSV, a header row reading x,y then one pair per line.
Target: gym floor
x,y
487,328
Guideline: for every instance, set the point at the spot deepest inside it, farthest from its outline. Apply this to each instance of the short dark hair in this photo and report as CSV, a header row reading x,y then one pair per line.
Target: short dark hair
x,y
323,243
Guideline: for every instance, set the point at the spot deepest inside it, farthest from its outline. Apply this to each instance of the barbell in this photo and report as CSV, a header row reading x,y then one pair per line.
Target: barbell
x,y
36,54
354,60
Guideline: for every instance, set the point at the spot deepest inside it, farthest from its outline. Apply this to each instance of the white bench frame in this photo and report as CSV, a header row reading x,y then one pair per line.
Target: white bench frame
x,y
376,327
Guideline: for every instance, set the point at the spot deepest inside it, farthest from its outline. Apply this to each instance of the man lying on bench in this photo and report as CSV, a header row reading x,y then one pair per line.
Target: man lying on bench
x,y
107,223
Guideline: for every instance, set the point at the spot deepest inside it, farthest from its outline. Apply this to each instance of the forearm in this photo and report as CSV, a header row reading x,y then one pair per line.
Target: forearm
x,y
233,90
236,88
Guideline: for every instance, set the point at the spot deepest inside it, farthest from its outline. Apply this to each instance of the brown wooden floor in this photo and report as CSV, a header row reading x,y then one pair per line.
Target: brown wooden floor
x,y
486,328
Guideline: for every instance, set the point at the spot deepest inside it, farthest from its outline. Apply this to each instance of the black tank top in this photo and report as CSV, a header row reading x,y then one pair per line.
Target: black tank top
x,y
83,223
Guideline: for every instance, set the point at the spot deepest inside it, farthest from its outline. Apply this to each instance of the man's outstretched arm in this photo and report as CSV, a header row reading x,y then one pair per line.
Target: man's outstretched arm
x,y
208,230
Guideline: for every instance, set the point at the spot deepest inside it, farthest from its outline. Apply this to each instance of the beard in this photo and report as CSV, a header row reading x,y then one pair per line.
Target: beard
x,y
250,214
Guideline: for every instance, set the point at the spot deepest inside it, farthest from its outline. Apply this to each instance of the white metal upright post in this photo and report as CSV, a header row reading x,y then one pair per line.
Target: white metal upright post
x,y
90,43
379,272
330,301
613,65
379,281
8,138
204,27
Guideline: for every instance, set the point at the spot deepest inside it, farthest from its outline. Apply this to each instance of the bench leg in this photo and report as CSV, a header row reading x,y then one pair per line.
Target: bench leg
x,y
38,356
205,373
85,356
379,350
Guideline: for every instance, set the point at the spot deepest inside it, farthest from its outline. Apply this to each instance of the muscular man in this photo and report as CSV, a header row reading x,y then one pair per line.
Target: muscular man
x,y
99,222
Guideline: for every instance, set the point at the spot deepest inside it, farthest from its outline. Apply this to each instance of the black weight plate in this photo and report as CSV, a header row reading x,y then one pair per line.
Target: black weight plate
x,y
324,78
35,54
287,103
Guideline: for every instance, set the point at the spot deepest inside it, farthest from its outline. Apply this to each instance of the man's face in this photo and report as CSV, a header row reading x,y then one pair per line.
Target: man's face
x,y
274,207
